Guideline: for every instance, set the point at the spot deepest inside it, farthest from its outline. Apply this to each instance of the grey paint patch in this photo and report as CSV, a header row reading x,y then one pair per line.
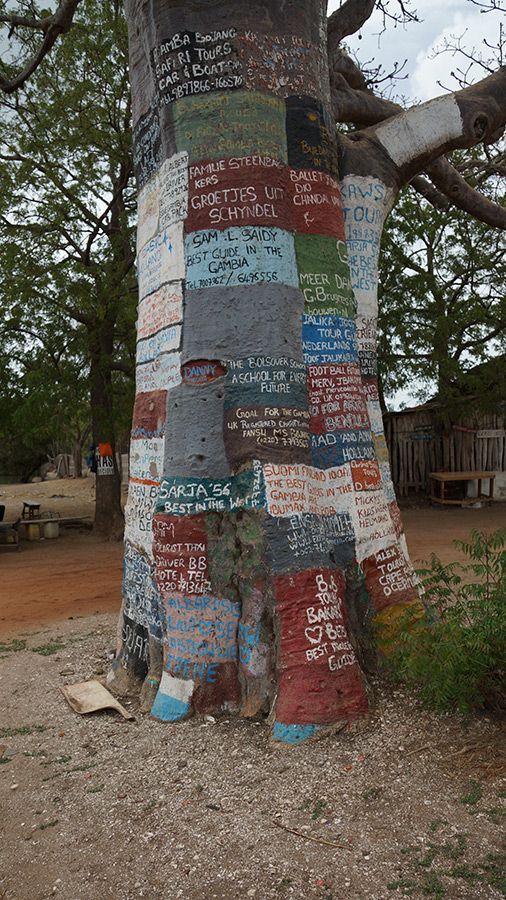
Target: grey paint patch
x,y
244,320
307,541
194,444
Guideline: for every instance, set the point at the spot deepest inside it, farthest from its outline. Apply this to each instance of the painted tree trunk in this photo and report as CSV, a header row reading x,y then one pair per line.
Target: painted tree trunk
x,y
262,532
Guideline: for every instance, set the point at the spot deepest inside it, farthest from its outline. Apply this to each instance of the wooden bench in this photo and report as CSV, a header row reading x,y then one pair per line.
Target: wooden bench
x,y
439,481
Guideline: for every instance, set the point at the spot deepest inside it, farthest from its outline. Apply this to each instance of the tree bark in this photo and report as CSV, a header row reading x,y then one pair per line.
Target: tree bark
x,y
109,520
263,539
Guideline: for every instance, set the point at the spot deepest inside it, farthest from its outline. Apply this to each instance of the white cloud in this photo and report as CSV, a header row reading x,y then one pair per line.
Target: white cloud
x,y
414,42
474,28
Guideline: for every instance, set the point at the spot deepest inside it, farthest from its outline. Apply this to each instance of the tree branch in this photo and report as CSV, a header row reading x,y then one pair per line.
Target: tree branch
x,y
346,20
353,101
51,27
462,195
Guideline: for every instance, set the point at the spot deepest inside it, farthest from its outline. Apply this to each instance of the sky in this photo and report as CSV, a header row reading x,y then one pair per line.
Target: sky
x,y
417,40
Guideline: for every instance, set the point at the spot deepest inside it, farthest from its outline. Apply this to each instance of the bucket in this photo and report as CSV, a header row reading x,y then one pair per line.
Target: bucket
x,y
51,530
33,531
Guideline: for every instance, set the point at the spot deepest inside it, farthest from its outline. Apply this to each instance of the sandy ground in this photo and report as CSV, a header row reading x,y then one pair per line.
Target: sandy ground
x,y
412,804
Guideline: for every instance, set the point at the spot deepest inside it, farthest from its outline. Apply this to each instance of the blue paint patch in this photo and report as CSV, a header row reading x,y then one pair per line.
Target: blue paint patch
x,y
240,255
168,709
141,599
329,339
340,447
293,734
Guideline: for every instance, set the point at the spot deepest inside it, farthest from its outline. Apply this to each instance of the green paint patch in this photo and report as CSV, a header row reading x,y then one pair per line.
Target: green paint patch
x,y
231,124
324,276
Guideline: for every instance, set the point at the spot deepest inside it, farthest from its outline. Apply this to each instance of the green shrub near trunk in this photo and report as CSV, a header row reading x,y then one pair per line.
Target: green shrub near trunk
x,y
456,658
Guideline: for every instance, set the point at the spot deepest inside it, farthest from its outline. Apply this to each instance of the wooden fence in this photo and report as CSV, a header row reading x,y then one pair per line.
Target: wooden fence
x,y
420,442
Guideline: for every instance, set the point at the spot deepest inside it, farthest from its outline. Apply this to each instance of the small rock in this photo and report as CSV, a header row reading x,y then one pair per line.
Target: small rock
x,y
14,786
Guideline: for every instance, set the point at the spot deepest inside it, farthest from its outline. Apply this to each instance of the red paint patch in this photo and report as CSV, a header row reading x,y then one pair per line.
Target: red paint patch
x,y
388,578
396,517
319,680
239,192
365,474
315,203
180,553
210,696
245,191
202,371
149,414
336,398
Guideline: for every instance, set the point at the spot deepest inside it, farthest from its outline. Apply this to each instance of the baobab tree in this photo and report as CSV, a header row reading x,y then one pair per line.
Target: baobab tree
x,y
263,542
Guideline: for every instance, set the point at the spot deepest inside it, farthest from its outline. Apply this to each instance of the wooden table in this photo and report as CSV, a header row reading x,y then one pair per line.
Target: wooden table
x,y
440,479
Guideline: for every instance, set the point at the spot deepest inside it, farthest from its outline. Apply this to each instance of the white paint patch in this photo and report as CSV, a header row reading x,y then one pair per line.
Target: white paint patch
x,y
161,342
366,203
373,526
404,547
161,374
147,213
375,416
296,489
386,480
159,310
161,260
178,688
173,185
139,514
420,128
146,459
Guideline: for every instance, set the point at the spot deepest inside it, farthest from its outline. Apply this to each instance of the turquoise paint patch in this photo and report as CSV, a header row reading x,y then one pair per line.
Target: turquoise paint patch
x,y
293,734
266,381
183,496
243,255
168,709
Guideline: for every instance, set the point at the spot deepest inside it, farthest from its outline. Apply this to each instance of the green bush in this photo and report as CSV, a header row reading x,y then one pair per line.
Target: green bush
x,y
456,658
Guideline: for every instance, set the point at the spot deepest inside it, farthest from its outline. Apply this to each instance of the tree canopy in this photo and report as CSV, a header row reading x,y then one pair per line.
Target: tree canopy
x,y
67,216
442,307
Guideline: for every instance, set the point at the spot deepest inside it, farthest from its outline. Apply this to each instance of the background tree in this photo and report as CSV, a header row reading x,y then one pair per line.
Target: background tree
x,y
45,394
442,305
66,220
